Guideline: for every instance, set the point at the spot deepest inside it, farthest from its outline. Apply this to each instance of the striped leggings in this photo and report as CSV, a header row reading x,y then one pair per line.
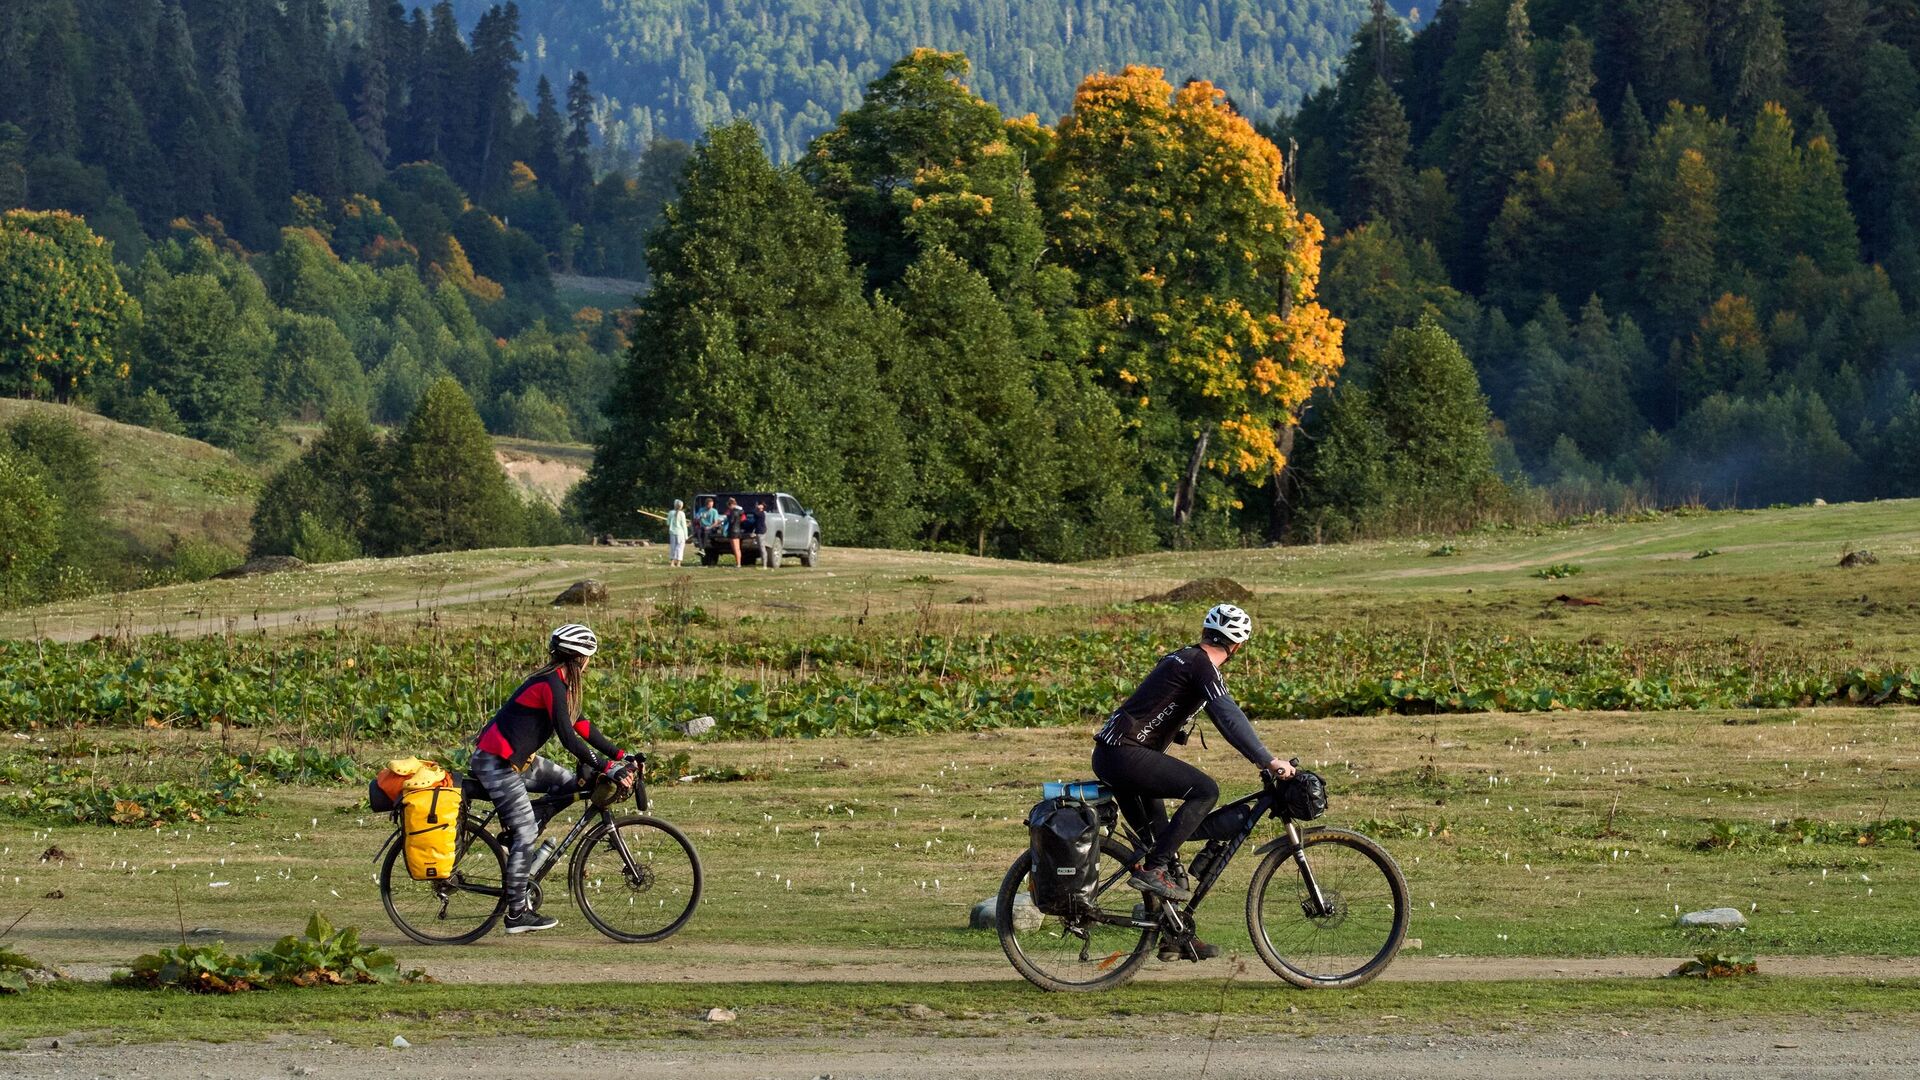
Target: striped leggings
x,y
508,788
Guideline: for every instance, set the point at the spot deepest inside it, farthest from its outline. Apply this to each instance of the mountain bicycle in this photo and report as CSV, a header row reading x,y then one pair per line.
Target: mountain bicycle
x,y
1327,907
635,877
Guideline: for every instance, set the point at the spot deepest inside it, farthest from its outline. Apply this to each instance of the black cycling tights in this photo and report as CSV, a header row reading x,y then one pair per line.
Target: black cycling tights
x,y
1142,779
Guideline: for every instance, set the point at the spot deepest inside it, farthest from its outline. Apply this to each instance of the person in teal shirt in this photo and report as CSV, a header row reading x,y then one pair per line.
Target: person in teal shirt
x,y
705,520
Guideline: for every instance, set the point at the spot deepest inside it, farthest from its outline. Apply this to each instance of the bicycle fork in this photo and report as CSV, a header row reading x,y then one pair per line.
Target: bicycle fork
x,y
1315,905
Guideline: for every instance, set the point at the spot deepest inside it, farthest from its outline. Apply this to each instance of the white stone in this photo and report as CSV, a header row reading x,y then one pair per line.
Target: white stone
x,y
986,914
721,1016
1720,916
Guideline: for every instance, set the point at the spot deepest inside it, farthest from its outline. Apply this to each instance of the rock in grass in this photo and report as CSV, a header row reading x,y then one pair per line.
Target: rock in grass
x,y
1859,558
589,591
718,1015
986,914
1717,917
400,1042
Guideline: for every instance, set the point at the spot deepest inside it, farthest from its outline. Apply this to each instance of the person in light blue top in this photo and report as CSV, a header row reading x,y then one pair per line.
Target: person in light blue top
x,y
676,533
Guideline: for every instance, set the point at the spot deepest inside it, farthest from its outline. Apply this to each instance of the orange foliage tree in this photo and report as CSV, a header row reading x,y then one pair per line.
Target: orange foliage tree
x,y
61,305
1199,273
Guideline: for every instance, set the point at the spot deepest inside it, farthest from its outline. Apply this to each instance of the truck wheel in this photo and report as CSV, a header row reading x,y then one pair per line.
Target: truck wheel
x,y
708,558
770,555
812,555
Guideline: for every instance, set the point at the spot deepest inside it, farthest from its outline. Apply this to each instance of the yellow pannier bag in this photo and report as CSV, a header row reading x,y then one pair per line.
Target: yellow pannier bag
x,y
430,830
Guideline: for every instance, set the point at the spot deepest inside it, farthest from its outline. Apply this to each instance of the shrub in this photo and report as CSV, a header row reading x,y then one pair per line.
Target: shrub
x,y
34,788
1556,571
322,956
19,973
315,542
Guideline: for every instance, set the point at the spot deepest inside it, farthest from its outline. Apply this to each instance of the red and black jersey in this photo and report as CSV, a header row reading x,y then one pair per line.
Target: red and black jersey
x,y
540,710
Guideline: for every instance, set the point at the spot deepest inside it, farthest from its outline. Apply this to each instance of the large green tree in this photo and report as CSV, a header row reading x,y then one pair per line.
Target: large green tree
x,y
338,480
444,489
755,361
61,306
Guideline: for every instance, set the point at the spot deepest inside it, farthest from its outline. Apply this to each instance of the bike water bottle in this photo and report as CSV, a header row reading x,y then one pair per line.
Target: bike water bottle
x,y
1203,861
542,855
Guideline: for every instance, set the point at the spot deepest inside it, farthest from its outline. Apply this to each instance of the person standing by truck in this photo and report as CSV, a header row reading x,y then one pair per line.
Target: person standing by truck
x,y
676,533
734,521
760,532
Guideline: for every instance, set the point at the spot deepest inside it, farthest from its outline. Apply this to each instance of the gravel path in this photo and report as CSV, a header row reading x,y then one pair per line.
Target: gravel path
x,y
1799,1050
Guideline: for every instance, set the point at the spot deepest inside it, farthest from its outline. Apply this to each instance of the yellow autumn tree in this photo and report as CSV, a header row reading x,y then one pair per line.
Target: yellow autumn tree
x,y
1199,273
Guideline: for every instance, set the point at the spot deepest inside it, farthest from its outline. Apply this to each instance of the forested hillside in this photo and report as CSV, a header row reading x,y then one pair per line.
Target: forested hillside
x,y
1680,240
673,69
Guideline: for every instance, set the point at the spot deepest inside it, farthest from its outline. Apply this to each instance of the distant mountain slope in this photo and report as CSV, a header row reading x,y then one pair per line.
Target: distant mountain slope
x,y
672,68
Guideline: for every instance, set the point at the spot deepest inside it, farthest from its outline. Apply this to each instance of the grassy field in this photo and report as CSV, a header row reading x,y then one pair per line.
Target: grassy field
x,y
1773,583
1524,835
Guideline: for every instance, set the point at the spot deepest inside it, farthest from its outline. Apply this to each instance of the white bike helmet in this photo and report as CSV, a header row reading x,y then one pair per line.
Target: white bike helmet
x,y
573,639
1229,622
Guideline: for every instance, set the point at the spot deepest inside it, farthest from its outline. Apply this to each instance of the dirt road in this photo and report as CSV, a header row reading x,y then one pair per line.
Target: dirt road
x,y
1720,1050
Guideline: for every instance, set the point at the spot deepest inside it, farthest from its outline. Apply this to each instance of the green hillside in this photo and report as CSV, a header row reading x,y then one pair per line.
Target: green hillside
x,y
161,489
669,70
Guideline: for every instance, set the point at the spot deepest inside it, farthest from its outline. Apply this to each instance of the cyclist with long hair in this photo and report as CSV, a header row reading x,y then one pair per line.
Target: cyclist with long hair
x,y
1130,750
507,764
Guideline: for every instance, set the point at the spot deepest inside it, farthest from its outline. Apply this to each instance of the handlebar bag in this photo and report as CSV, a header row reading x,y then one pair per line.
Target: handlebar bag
x,y
1304,797
1064,836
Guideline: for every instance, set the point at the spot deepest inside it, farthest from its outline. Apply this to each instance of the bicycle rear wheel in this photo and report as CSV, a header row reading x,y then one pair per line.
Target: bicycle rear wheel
x,y
1076,954
1349,941
646,893
455,911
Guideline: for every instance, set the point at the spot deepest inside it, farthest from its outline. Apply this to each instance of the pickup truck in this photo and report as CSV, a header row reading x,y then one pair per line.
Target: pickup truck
x,y
791,530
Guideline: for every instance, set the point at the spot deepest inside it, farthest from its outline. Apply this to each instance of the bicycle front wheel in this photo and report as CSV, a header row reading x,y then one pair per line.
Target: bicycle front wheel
x,y
1350,938
455,911
1075,953
636,879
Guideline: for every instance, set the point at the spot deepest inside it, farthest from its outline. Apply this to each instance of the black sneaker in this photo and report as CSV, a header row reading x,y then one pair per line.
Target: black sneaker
x,y
526,922
1192,949
1156,880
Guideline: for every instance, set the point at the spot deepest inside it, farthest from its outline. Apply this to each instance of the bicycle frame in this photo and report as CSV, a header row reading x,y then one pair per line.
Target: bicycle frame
x,y
554,805
1266,806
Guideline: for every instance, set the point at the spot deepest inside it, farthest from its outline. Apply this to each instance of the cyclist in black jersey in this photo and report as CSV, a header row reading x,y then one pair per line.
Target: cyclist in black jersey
x,y
1130,750
506,762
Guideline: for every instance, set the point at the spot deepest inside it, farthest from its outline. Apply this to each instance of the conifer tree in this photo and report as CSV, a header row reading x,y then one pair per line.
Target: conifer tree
x,y
1500,130
1435,419
1682,213
444,490
338,480
1764,191
579,170
547,136
1747,49
967,404
1379,180
1824,226
756,334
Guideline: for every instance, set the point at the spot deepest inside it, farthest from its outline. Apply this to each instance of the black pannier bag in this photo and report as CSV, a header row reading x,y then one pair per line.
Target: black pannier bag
x,y
1064,835
1304,797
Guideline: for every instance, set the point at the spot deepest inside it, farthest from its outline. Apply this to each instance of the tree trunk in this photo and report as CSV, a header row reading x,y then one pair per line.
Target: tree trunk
x,y
1183,495
1280,514
982,550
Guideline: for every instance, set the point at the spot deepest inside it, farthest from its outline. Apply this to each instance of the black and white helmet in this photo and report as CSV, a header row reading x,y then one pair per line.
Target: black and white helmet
x,y
573,639
1229,622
